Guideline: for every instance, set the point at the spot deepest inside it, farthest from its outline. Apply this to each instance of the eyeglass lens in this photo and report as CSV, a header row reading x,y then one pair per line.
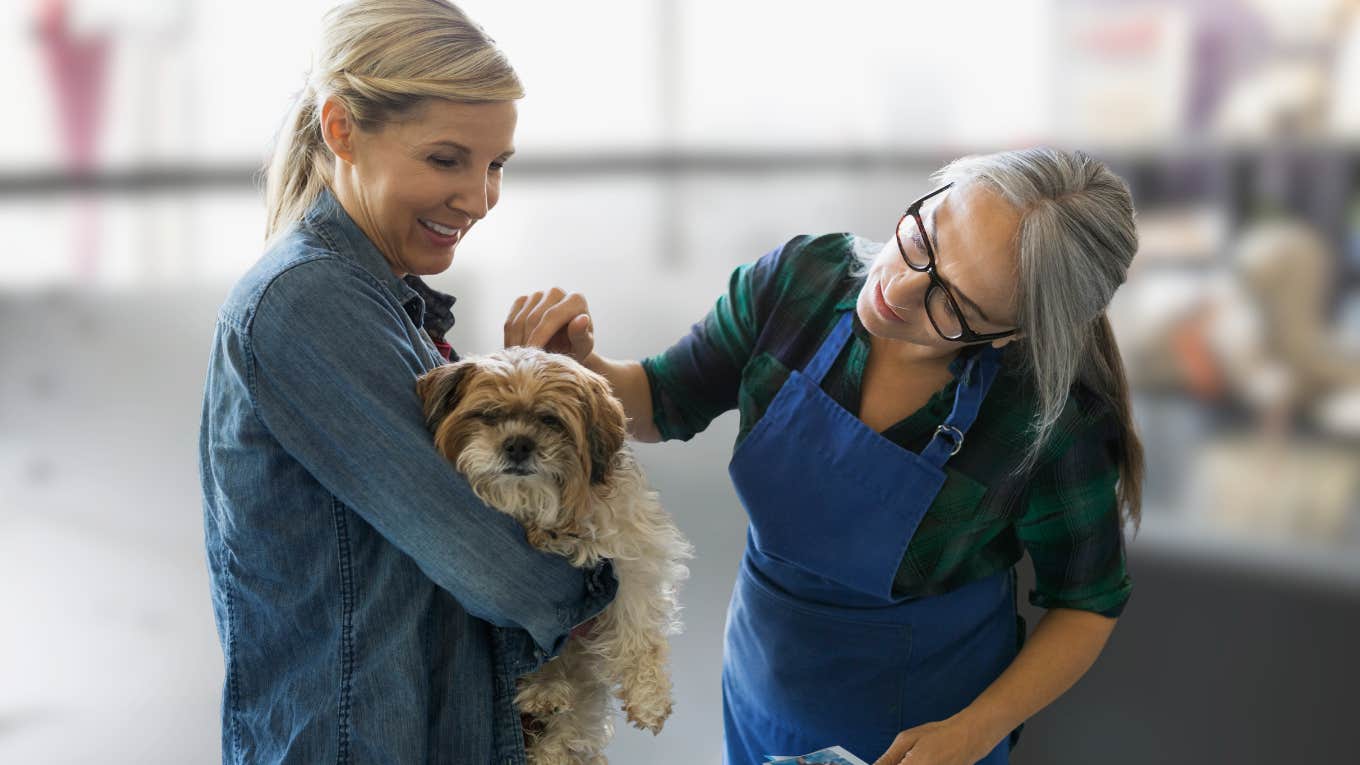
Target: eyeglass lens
x,y
942,313
912,239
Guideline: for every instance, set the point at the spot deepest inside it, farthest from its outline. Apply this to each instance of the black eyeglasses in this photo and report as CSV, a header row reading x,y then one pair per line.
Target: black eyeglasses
x,y
941,306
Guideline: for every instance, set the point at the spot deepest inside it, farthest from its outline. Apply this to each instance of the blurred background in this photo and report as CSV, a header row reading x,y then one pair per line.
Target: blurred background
x,y
662,143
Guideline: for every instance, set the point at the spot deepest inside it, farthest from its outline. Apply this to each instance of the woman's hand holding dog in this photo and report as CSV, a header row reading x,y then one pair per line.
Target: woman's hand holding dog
x,y
556,321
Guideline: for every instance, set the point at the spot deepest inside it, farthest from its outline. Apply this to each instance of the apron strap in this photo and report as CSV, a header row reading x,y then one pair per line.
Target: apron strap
x,y
978,375
831,348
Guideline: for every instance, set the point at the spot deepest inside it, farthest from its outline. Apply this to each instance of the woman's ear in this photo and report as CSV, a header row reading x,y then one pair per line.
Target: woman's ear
x,y
440,389
337,129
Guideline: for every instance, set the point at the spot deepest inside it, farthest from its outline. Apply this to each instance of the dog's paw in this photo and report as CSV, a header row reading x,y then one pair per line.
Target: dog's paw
x,y
539,539
645,690
649,717
543,700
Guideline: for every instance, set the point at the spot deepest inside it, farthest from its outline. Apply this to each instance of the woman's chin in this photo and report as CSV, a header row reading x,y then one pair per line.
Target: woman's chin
x,y
430,263
866,316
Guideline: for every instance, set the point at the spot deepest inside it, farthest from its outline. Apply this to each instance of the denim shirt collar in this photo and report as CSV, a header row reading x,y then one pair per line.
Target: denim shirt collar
x,y
427,307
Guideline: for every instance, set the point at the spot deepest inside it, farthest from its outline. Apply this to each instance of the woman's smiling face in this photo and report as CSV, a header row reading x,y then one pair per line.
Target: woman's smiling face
x,y
416,185
973,232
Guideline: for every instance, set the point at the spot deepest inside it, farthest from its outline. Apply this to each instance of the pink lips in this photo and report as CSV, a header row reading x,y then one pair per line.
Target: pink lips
x,y
440,239
884,309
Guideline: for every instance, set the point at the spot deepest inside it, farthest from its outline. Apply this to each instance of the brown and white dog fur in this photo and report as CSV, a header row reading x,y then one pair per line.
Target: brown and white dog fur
x,y
541,438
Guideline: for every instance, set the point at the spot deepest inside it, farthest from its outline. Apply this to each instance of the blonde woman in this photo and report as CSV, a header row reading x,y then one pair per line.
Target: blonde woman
x,y
915,417
370,608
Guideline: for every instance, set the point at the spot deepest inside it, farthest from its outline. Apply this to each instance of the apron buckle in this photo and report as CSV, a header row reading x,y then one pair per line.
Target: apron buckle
x,y
954,434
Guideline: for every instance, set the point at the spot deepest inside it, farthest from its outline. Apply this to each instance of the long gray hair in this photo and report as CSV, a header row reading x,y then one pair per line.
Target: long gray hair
x,y
1076,240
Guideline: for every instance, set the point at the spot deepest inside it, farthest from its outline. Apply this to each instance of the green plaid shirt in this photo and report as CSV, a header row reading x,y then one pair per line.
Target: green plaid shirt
x,y
774,316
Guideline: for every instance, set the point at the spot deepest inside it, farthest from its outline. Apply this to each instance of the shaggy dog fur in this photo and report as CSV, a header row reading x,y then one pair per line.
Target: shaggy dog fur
x,y
541,438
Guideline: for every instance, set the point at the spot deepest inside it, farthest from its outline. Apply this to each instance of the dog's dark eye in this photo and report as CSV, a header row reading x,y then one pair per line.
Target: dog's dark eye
x,y
488,416
550,421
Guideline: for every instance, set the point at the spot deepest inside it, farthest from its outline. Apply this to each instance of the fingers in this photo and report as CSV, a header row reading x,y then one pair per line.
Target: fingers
x,y
514,321
581,333
901,747
554,315
554,320
526,313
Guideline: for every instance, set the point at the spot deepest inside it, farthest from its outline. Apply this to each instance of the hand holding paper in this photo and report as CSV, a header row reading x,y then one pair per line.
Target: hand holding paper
x,y
832,756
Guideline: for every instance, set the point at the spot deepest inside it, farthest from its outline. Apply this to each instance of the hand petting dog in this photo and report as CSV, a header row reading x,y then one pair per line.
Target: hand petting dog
x,y
556,321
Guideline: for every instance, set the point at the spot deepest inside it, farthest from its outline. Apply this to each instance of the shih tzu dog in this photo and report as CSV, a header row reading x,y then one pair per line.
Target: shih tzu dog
x,y
541,438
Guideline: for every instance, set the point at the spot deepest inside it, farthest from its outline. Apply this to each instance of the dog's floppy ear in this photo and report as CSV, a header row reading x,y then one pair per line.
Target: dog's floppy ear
x,y
606,427
440,388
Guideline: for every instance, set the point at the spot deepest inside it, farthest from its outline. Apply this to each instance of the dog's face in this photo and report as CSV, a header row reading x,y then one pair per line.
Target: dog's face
x,y
532,431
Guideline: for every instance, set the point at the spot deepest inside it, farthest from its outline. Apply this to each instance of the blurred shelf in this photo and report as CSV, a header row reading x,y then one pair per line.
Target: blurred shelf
x,y
244,176
1313,562
147,179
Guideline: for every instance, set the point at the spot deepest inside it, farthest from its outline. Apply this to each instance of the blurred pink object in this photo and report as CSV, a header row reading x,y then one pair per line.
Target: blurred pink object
x,y
77,67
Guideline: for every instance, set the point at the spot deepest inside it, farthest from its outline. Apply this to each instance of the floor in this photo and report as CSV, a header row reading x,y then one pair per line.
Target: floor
x,y
108,651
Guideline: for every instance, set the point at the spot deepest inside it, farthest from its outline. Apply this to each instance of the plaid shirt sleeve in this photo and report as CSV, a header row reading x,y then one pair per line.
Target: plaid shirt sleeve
x,y
699,377
1071,526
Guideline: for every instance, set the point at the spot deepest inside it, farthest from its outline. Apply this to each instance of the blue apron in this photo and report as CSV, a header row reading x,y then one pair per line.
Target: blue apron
x,y
818,652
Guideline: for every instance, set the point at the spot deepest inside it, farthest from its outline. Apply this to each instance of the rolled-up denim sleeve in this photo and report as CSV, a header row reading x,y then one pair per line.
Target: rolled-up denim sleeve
x,y
332,376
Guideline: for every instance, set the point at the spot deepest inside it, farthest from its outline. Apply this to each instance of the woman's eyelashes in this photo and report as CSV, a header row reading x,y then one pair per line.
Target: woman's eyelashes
x,y
445,163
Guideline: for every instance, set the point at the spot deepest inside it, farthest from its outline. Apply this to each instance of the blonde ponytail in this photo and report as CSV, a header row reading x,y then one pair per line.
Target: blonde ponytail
x,y
297,172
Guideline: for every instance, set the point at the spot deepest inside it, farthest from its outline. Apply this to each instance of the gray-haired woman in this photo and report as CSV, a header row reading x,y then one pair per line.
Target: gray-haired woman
x,y
914,417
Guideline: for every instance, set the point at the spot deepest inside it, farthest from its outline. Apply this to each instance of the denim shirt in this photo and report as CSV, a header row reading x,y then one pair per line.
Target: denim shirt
x,y
370,607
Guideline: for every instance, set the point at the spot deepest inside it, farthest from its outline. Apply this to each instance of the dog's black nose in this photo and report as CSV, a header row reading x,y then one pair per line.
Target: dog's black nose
x,y
518,448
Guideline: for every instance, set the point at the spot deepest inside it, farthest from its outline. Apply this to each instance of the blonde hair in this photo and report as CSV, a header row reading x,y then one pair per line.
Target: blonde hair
x,y
382,59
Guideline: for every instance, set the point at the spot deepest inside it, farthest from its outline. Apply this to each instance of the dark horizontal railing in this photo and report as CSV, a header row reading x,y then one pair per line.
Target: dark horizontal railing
x,y
244,176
